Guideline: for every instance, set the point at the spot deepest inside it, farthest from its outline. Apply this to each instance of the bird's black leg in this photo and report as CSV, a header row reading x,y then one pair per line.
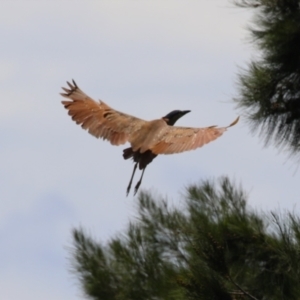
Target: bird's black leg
x,y
139,182
130,182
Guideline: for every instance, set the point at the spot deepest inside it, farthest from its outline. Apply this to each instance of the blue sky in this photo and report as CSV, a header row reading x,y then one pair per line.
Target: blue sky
x,y
145,58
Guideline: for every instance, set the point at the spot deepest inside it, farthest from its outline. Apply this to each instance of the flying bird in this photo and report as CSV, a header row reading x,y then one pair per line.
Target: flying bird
x,y
147,138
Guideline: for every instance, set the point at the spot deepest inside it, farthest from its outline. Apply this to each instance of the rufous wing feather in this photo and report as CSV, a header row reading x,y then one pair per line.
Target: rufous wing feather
x,y
174,139
98,118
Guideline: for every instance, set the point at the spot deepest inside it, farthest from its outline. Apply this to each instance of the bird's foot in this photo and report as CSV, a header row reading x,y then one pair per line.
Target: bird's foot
x,y
128,189
136,188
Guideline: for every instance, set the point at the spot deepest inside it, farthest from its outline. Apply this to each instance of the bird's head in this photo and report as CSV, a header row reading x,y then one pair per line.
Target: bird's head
x,y
174,115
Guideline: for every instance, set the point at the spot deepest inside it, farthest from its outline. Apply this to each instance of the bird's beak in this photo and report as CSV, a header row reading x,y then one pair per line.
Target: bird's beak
x,y
184,112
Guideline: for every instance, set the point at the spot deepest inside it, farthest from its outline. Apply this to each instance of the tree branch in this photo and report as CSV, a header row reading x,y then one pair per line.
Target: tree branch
x,y
240,288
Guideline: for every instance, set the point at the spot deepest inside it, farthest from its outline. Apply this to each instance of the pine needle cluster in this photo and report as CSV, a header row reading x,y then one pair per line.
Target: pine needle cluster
x,y
269,89
215,247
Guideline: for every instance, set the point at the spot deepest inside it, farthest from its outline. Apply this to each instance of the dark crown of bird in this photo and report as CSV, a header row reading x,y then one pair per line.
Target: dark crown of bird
x,y
174,115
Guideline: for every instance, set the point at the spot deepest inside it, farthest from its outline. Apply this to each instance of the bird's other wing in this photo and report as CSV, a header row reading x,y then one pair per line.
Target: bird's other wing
x,y
173,139
98,118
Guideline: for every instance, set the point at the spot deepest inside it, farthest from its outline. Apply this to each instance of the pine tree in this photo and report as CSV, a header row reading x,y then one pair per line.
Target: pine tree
x,y
214,247
270,87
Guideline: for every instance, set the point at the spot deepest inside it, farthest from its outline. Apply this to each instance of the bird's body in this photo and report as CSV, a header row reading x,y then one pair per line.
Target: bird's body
x,y
147,138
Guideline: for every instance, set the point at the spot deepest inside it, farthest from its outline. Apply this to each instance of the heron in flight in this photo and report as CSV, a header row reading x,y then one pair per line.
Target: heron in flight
x,y
147,138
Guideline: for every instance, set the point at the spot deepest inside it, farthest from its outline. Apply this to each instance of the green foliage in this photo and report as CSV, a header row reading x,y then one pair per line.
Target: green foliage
x,y
270,87
214,247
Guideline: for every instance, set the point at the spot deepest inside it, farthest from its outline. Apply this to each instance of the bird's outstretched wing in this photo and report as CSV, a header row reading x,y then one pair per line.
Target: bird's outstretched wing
x,y
98,118
174,139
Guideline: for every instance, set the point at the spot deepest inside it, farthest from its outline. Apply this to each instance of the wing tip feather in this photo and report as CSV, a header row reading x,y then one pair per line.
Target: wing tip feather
x,y
234,122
